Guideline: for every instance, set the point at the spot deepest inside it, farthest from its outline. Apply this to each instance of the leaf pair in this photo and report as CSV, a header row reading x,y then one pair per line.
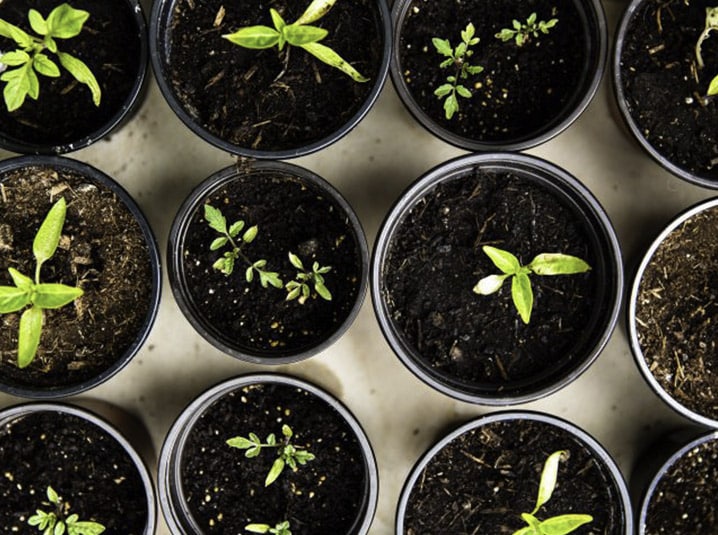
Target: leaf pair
x,y
300,33
50,524
29,59
521,33
299,288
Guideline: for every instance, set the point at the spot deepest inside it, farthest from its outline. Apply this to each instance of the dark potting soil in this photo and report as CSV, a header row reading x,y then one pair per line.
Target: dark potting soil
x,y
664,89
522,90
264,99
225,491
89,470
436,258
677,313
483,480
110,46
102,250
291,215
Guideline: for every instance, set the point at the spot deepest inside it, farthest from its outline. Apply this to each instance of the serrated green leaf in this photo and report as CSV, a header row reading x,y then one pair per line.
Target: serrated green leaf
x,y
522,295
218,243
468,34
17,88
267,278
443,47
45,66
241,443
254,37
55,295
37,22
216,220
460,50
18,35
235,228
29,335
82,73
275,471
330,57
443,90
65,21
15,58
13,299
48,235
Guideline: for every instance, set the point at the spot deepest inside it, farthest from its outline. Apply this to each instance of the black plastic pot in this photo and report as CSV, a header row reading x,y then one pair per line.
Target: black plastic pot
x,y
456,254
89,182
687,306
51,444
287,221
163,44
524,132
177,455
115,108
483,451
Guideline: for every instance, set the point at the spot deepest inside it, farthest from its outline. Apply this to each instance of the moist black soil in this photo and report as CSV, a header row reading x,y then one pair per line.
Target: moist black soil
x,y
102,250
664,89
481,482
64,113
265,99
684,499
522,90
677,313
90,471
225,491
292,215
436,258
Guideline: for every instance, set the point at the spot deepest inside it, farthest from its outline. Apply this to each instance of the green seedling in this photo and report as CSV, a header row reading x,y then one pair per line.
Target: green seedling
x,y
299,288
22,65
711,24
458,58
288,454
521,292
283,528
58,522
556,525
300,34
230,236
521,33
34,294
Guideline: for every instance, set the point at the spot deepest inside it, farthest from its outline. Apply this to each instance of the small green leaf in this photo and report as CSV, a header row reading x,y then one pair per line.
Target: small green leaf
x,y
287,431
532,19
235,228
20,280
52,496
216,220
59,528
504,260
29,335
50,43
45,66
254,37
11,31
713,87
331,58
249,274
549,475
48,236
468,34
82,73
267,278
257,528
564,524
460,51
13,299
323,291
295,261
219,264
443,90
302,35
463,92
37,22
275,471
277,20
522,295
65,21
250,234
505,34
240,443
218,243
271,439
15,58
532,522
315,11
294,291
18,87
55,295
85,528
557,264
451,105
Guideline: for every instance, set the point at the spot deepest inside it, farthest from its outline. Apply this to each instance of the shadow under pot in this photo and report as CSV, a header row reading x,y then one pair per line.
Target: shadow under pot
x,y
499,74
475,278
672,312
268,262
64,461
493,472
79,277
87,73
267,450
661,88
306,81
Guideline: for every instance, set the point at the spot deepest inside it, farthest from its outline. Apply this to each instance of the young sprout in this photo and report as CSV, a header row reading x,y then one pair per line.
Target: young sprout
x,y
29,59
521,33
521,292
711,24
283,528
299,33
556,525
57,522
33,293
230,235
299,287
288,454
458,58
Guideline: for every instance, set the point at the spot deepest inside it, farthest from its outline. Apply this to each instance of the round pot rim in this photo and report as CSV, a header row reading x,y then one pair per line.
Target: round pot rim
x,y
562,184
620,98
175,267
600,453
99,177
158,21
169,460
23,409
588,87
631,314
117,119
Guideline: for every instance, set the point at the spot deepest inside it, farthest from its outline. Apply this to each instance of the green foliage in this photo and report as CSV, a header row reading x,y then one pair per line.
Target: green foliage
x,y
300,33
458,58
21,66
521,292
556,525
299,287
283,528
287,453
34,294
711,23
521,33
56,523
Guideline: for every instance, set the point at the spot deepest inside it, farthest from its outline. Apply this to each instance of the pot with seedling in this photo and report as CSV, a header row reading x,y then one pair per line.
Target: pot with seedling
x,y
268,262
497,75
665,74
271,83
522,473
447,247
267,454
70,72
79,277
